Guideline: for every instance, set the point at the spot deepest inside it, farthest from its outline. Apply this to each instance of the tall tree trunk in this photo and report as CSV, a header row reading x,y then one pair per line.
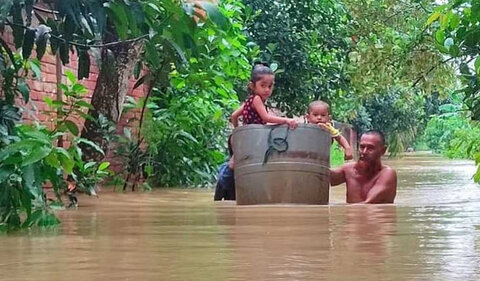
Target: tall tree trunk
x,y
108,97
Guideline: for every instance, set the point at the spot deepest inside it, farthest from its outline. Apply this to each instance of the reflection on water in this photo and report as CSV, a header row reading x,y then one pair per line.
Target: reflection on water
x,y
431,233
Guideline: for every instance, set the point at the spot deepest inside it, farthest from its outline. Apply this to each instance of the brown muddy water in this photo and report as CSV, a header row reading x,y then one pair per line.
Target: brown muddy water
x,y
432,232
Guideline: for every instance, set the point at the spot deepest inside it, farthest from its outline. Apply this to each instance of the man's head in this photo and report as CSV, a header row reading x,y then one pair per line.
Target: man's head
x,y
372,146
318,112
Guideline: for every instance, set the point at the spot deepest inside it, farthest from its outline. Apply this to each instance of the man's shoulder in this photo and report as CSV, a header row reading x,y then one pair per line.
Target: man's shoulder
x,y
388,170
388,175
348,166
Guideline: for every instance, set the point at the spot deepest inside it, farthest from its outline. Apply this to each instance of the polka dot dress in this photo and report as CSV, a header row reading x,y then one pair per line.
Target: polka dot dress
x,y
250,115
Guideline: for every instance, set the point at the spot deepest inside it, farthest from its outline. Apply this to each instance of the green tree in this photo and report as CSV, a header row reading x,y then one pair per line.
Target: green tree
x,y
28,157
457,36
393,66
398,114
393,48
186,128
307,41
118,31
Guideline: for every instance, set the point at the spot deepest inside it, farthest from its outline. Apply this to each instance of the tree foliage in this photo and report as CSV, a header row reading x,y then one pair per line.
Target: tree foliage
x,y
393,48
394,68
307,41
457,35
398,114
84,25
28,157
185,130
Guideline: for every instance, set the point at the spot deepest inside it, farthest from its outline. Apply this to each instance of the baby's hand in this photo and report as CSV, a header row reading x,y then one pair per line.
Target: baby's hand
x,y
292,124
348,154
323,126
329,128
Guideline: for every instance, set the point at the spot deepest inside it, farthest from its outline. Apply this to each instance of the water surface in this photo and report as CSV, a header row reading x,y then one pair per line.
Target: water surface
x,y
432,232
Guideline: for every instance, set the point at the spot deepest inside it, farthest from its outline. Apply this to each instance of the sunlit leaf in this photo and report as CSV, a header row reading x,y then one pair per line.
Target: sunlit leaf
x,y
71,77
35,67
36,154
433,17
477,65
52,160
103,166
92,144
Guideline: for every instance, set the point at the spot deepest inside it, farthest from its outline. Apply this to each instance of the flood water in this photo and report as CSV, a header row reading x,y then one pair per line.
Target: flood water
x,y
432,232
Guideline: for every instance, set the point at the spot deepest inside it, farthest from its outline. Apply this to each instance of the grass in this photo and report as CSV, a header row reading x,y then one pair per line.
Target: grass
x,y
336,155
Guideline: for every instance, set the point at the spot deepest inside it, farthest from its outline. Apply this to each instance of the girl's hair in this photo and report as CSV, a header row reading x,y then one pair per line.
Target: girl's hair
x,y
258,70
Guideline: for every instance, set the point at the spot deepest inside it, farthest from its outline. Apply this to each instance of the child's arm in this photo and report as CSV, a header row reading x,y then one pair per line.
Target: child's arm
x,y
346,147
235,116
262,112
231,162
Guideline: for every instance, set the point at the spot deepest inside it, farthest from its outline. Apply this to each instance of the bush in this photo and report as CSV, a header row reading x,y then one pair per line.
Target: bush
x,y
441,128
307,40
398,113
185,130
185,137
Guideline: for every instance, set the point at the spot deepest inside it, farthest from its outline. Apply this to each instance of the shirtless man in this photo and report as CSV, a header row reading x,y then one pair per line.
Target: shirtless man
x,y
368,180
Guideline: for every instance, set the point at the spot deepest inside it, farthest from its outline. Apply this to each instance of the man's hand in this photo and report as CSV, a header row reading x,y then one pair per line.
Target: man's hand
x,y
385,188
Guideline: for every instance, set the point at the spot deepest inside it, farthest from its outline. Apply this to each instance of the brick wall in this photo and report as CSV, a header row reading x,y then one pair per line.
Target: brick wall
x,y
37,109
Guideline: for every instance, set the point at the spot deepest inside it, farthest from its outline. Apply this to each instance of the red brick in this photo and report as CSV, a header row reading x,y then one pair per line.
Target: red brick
x,y
41,106
48,58
73,64
93,77
48,77
93,68
36,95
73,56
90,84
36,85
49,68
50,88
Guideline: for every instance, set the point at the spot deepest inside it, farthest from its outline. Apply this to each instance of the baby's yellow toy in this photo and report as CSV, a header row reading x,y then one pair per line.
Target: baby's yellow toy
x,y
333,132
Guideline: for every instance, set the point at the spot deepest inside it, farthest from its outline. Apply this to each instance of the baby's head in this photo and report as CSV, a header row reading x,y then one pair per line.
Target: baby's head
x,y
318,112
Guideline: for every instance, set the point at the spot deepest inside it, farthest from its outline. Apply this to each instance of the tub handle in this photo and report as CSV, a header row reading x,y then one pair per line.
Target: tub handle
x,y
278,143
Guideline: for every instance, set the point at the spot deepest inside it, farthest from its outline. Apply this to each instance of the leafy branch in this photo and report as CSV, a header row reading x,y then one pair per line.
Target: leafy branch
x,y
85,46
429,71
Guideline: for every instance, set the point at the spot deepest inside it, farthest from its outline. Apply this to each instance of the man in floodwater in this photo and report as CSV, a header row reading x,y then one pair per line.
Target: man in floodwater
x,y
368,180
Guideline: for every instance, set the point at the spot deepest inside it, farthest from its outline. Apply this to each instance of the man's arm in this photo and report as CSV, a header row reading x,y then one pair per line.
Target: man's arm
x,y
337,176
385,188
